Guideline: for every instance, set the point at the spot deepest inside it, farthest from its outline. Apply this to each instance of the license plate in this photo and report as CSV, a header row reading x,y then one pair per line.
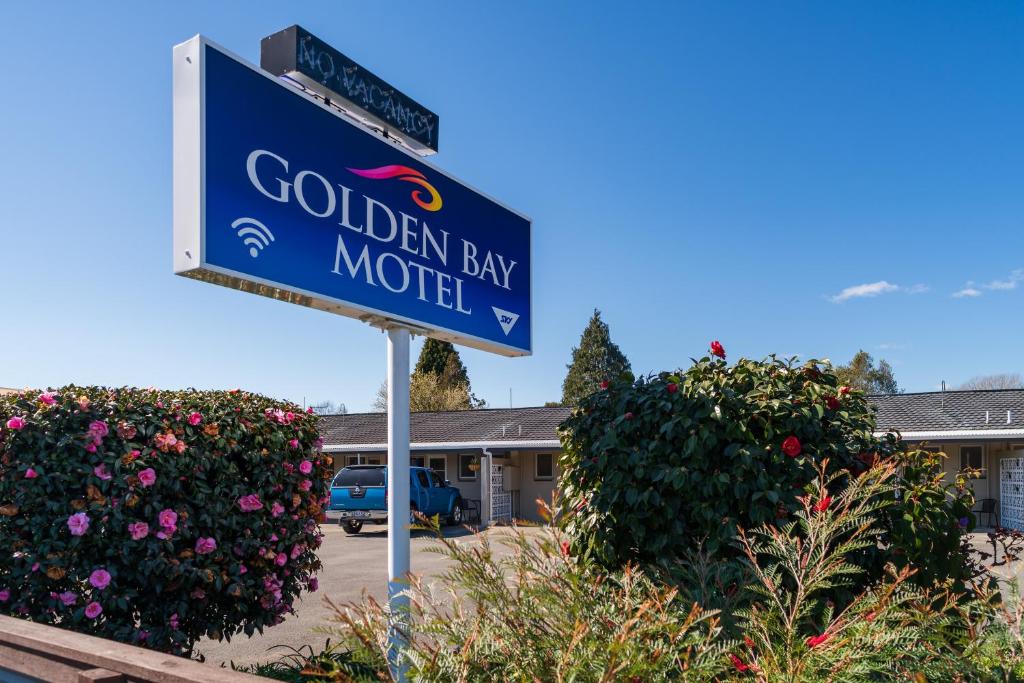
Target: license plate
x,y
360,513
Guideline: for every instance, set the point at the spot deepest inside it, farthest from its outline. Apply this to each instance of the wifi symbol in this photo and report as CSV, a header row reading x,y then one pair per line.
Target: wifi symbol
x,y
257,236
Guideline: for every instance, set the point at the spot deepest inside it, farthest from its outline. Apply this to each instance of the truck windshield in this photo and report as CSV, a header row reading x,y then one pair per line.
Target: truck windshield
x,y
360,477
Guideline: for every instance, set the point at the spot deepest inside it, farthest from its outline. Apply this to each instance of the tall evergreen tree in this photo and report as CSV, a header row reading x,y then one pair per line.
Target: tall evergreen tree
x,y
436,356
596,359
862,373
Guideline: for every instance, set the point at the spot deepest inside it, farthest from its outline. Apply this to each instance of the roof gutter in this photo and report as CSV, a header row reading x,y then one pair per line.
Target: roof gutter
x,y
958,434
445,446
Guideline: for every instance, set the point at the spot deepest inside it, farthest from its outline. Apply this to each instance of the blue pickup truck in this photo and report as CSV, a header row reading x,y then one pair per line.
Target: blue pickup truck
x,y
360,493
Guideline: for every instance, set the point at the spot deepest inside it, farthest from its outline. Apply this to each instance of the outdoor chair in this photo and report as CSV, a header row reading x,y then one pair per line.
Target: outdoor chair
x,y
990,507
470,510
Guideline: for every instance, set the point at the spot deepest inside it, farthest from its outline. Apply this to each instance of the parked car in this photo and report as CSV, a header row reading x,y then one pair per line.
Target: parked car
x,y
360,493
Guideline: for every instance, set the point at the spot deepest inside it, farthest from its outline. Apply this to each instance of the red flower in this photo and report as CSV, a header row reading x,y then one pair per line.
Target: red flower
x,y
717,349
870,616
748,641
672,387
565,548
738,663
629,416
815,641
843,390
791,446
604,384
823,504
832,402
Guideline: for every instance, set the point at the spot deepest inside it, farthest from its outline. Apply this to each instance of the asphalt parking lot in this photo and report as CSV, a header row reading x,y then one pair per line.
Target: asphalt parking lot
x,y
352,565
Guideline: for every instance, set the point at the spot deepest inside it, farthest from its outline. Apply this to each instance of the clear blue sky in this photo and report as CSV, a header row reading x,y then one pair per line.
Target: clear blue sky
x,y
700,171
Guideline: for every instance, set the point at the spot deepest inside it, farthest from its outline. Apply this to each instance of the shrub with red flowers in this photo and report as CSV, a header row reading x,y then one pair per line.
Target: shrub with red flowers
x,y
668,462
157,517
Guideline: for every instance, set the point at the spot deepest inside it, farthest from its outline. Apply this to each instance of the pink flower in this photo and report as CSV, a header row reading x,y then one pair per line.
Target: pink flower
x,y
198,594
250,503
168,517
242,569
78,523
138,530
16,423
48,398
296,550
281,559
147,477
205,546
276,509
31,473
309,410
101,471
91,448
313,584
194,419
305,484
289,416
68,598
83,403
294,443
93,610
173,621
98,428
305,467
5,595
99,579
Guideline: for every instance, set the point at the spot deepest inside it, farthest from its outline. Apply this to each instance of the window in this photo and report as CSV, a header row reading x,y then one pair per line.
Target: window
x,y
544,466
439,465
371,476
417,461
362,460
973,457
465,461
421,476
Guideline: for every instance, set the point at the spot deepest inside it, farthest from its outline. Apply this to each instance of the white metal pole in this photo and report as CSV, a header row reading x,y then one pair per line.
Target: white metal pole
x,y
398,492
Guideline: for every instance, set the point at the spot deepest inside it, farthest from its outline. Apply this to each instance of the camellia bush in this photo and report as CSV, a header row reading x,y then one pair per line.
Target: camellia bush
x,y
157,517
656,466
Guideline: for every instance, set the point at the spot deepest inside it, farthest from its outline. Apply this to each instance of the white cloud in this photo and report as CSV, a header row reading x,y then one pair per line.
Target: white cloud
x,y
917,289
1009,283
865,290
968,291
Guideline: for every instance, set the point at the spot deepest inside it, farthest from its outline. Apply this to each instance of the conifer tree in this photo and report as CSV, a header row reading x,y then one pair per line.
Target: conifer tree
x,y
596,359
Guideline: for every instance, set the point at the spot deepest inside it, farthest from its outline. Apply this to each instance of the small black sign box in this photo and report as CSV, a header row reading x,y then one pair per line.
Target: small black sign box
x,y
299,54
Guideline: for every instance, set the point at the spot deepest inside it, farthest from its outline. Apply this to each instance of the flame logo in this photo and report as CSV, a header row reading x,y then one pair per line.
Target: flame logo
x,y
409,175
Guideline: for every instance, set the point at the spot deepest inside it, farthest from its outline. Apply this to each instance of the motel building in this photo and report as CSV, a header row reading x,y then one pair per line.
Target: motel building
x,y
503,460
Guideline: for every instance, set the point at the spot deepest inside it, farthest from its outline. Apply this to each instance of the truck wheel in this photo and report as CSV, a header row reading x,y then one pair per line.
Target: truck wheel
x,y
351,527
455,517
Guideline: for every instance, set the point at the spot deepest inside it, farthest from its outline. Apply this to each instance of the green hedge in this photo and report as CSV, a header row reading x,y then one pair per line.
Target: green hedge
x,y
157,517
655,466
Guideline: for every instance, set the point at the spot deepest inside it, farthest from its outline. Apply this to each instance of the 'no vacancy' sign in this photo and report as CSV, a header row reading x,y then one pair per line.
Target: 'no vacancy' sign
x,y
278,194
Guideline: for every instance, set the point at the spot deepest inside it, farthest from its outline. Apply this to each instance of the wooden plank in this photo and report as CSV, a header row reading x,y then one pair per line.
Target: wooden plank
x,y
41,643
100,676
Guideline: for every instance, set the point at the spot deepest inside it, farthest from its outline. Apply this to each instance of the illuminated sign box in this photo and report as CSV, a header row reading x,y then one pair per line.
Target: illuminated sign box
x,y
298,54
278,194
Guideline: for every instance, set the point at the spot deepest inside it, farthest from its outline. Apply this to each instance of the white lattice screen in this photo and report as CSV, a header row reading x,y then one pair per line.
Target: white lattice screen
x,y
1011,492
501,500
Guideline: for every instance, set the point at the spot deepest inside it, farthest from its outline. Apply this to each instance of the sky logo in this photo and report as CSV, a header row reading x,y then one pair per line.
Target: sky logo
x,y
255,235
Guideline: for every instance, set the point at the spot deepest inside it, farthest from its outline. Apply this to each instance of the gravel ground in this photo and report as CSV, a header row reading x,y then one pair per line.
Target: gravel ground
x,y
352,565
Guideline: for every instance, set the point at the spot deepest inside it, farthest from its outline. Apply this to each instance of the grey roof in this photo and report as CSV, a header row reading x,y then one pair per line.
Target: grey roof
x,y
936,411
496,425
951,410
